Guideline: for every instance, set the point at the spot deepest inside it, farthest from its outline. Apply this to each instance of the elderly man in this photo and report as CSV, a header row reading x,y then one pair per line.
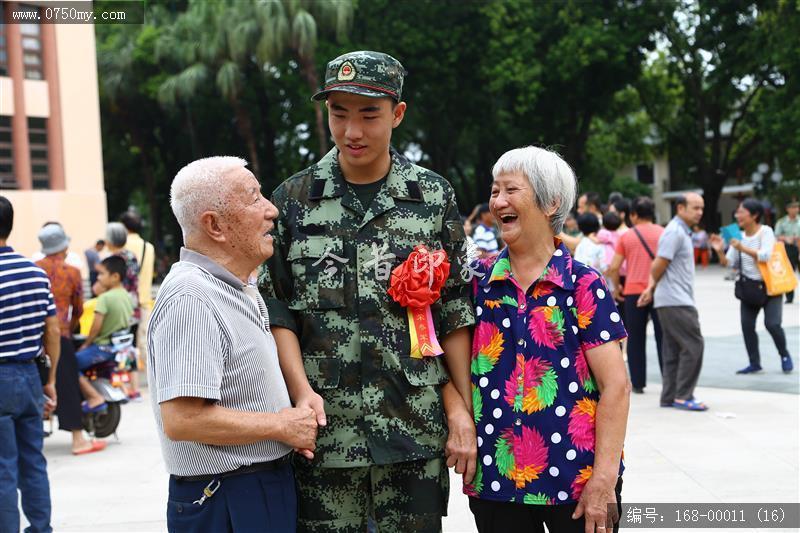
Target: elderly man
x,y
221,404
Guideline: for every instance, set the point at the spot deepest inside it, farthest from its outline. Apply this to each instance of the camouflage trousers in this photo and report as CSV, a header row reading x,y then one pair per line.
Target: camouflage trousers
x,y
399,497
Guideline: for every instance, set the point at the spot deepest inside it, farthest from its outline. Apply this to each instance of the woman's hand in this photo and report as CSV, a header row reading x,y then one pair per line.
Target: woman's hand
x,y
594,505
717,243
736,244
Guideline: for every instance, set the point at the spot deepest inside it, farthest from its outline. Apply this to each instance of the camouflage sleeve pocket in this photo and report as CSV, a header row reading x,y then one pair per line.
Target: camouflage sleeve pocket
x,y
424,372
322,372
317,265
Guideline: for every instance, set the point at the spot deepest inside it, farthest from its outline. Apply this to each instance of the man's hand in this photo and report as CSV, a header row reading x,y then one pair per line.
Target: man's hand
x,y
461,449
593,503
313,401
50,405
299,429
645,298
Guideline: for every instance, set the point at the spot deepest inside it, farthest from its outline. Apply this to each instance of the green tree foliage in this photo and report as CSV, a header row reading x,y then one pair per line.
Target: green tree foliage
x,y
716,88
606,83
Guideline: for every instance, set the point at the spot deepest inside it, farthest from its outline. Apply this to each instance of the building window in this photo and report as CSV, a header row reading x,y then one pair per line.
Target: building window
x,y
37,139
644,174
3,50
7,180
31,47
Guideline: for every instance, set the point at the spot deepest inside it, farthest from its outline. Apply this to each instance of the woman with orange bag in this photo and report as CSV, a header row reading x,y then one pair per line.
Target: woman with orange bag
x,y
755,247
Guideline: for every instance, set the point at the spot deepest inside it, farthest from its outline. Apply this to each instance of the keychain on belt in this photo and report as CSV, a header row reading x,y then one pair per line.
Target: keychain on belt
x,y
209,491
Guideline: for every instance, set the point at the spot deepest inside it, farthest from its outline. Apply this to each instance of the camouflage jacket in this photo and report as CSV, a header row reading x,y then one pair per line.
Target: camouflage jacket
x,y
324,282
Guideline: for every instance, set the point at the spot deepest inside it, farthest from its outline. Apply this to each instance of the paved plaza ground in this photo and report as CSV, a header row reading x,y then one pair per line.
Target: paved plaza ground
x,y
744,449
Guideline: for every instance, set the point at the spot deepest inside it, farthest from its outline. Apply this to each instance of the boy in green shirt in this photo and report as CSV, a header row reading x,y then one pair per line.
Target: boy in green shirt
x,y
113,313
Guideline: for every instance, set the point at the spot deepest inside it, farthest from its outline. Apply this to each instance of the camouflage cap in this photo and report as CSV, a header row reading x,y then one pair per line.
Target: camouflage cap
x,y
372,74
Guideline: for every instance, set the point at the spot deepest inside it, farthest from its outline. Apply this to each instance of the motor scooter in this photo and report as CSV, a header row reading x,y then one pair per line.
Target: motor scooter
x,y
109,379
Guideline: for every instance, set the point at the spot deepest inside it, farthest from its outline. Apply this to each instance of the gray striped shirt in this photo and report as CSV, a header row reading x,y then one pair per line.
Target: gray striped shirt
x,y
209,337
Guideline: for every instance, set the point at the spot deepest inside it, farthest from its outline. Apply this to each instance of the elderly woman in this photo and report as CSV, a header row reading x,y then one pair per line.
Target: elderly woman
x,y
550,390
755,247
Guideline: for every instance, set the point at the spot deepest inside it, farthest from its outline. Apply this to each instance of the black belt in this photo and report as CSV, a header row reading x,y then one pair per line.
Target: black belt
x,y
6,360
247,469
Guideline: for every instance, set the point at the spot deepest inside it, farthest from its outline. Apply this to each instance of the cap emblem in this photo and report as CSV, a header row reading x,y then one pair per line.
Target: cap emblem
x,y
347,72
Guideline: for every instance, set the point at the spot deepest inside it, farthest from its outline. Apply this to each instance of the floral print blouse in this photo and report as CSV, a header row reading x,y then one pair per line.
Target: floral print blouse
x,y
533,394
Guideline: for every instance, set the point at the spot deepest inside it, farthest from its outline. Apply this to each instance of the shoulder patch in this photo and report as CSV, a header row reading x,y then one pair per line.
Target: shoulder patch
x,y
317,188
414,191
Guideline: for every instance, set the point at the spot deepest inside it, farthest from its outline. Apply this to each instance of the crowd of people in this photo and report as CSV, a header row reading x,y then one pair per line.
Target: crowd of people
x,y
317,361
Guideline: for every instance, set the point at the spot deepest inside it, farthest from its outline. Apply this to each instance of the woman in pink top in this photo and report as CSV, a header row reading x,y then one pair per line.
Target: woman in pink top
x,y
637,248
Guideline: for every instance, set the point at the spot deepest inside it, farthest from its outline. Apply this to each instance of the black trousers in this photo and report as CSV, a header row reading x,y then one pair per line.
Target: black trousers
x,y
505,517
636,324
773,316
68,408
792,254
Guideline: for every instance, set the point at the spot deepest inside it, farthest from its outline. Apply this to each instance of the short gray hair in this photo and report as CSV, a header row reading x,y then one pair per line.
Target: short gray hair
x,y
551,178
116,234
199,187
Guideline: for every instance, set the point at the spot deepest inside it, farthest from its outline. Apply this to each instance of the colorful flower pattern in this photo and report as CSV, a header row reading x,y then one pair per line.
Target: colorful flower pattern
x,y
533,393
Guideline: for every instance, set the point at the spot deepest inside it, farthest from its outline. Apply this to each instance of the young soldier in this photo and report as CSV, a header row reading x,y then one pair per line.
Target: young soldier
x,y
344,224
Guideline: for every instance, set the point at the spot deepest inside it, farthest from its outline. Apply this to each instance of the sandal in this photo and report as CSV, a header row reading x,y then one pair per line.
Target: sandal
x,y
97,446
689,405
96,409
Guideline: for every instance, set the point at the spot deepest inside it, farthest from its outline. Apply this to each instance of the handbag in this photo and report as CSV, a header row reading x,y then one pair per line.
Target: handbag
x,y
753,292
777,272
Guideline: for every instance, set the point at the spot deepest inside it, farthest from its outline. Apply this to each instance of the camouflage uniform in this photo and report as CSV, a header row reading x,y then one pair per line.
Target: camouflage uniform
x,y
324,283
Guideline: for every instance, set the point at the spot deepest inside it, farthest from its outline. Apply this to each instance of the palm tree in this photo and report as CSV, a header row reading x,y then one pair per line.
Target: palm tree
x,y
230,42
277,30
206,47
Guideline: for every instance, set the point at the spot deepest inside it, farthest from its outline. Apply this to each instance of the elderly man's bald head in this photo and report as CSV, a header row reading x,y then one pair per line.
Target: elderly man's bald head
x,y
689,207
202,186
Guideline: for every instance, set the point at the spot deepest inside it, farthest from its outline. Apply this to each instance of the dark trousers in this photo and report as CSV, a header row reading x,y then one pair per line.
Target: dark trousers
x,y
505,517
636,324
682,348
68,408
792,254
22,464
773,315
261,502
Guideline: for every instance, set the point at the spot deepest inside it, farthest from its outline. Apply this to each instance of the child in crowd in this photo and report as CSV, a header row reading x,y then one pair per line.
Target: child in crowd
x,y
589,251
112,313
608,237
700,244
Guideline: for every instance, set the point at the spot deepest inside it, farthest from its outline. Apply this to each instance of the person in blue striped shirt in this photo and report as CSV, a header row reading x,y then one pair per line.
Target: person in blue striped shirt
x,y
28,324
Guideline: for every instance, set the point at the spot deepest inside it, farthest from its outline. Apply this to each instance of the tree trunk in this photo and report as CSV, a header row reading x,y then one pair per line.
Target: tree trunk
x,y
712,184
245,127
149,183
309,72
192,133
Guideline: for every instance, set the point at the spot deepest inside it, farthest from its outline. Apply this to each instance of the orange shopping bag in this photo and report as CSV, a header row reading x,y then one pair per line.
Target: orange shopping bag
x,y
777,272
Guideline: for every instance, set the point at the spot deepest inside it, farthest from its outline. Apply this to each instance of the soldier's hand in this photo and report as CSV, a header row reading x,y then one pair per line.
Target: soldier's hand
x,y
461,450
299,429
314,401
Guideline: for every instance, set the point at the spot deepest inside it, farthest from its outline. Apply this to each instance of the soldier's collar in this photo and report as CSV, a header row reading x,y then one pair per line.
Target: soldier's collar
x,y
401,183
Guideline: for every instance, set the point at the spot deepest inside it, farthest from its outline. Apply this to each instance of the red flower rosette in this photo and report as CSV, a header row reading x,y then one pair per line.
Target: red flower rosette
x,y
416,284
